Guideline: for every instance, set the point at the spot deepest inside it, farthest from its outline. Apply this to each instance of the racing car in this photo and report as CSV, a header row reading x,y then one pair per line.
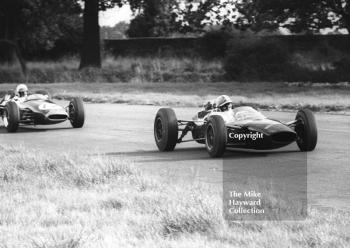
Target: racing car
x,y
39,109
241,127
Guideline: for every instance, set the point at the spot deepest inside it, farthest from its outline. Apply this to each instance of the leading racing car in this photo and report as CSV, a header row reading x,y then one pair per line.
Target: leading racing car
x,y
39,109
241,127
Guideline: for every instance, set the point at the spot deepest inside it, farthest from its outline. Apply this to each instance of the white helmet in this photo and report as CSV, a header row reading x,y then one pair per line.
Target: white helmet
x,y
222,102
21,90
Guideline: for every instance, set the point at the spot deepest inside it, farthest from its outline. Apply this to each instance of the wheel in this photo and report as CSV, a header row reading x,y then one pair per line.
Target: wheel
x,y
43,92
215,136
76,112
11,117
166,129
306,130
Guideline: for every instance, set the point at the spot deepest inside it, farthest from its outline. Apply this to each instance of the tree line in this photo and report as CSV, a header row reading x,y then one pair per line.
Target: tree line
x,y
36,26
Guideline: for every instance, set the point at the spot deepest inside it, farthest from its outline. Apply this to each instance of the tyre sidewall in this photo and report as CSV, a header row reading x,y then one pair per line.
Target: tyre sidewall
x,y
13,113
217,124
169,132
78,118
309,135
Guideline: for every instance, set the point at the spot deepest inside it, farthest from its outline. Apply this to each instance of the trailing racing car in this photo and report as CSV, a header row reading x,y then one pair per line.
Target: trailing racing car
x,y
241,127
39,109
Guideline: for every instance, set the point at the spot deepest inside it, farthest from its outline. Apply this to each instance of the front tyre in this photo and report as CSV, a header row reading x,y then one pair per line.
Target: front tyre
x,y
215,136
166,129
306,130
76,112
11,117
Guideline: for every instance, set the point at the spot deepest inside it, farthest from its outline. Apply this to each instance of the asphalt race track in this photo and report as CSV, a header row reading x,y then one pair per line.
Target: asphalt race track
x,y
127,131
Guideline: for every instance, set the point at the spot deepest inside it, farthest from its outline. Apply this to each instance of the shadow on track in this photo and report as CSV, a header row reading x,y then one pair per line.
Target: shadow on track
x,y
188,154
32,129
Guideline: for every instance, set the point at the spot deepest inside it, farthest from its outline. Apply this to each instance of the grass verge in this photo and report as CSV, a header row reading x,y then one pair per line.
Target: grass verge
x,y
265,95
75,201
122,69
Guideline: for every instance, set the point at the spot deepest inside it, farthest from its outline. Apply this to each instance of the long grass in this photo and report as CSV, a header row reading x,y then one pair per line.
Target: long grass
x,y
175,82
76,201
122,69
249,59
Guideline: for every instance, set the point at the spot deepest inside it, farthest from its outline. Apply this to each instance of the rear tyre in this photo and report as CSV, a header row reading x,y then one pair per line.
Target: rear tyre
x,y
166,129
11,117
76,112
215,136
306,130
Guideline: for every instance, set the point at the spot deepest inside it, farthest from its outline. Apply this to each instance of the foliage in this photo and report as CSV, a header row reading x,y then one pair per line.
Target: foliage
x,y
122,69
343,64
193,16
116,32
215,43
39,24
254,58
296,15
155,19
164,18
106,4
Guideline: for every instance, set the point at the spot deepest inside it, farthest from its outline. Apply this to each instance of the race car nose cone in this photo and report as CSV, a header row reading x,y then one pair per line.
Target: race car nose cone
x,y
283,137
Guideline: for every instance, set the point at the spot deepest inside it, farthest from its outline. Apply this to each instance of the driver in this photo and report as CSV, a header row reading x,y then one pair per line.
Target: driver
x,y
223,103
21,92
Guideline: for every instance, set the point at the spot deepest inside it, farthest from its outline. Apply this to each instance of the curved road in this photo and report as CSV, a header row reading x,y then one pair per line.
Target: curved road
x,y
127,130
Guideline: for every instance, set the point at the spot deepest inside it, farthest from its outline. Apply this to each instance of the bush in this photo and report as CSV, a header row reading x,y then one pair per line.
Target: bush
x,y
122,69
214,43
343,64
255,58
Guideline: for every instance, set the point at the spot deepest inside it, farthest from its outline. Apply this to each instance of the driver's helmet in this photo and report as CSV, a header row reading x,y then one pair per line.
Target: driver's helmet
x,y
21,90
223,103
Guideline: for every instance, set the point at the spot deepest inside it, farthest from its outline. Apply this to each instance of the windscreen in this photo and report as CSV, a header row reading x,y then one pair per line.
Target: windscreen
x,y
247,113
36,97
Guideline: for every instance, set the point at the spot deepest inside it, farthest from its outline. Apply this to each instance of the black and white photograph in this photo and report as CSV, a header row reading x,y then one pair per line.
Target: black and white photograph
x,y
174,123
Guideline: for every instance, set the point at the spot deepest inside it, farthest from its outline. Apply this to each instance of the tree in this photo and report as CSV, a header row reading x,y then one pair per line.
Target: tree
x,y
32,27
163,18
36,25
193,16
9,52
296,15
116,32
91,55
9,10
45,22
155,18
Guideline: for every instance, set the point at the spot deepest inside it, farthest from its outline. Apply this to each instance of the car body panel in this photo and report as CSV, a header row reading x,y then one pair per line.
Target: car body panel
x,y
37,109
243,122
